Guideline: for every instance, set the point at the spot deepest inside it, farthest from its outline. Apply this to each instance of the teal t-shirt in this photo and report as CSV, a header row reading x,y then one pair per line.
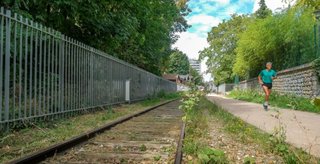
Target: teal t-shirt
x,y
266,75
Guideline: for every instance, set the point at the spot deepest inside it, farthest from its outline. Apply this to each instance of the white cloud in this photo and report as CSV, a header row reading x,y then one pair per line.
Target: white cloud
x,y
204,20
191,44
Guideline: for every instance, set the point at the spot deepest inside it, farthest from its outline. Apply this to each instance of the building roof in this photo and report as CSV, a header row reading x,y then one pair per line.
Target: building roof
x,y
170,76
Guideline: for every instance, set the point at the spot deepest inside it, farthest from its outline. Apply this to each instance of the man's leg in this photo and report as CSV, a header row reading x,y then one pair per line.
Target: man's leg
x,y
269,95
266,98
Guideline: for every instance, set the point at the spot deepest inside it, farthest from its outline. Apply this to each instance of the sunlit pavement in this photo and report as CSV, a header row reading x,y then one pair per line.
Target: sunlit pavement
x,y
302,128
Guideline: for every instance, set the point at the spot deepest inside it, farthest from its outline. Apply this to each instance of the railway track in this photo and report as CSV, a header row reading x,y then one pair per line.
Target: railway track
x,y
152,136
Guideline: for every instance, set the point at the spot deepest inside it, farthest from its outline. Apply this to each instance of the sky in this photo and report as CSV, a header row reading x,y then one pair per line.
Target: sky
x,y
209,13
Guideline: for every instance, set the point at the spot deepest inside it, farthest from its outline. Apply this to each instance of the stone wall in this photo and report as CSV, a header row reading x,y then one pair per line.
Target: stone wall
x,y
301,80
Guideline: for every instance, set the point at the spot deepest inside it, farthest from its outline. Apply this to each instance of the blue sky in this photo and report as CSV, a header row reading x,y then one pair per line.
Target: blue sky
x,y
209,13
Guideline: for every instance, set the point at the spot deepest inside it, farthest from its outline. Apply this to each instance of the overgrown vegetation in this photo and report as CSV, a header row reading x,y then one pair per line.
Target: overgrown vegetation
x,y
43,134
277,100
195,143
246,133
244,43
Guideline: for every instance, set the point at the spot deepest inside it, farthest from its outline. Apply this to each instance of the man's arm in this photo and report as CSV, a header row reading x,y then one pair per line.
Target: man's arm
x,y
260,80
274,75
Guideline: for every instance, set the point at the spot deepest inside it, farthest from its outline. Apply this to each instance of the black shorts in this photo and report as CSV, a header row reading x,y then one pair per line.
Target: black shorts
x,y
268,85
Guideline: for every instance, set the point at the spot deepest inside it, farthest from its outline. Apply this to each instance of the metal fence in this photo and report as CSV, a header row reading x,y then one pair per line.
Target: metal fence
x,y
44,73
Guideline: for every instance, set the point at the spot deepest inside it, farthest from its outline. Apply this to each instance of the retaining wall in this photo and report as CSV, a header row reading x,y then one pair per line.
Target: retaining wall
x,y
301,80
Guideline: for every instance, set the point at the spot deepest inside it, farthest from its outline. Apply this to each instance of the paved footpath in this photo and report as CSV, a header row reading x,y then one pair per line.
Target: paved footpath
x,y
302,128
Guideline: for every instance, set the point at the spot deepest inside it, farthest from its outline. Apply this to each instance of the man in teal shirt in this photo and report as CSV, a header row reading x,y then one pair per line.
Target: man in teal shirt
x,y
265,78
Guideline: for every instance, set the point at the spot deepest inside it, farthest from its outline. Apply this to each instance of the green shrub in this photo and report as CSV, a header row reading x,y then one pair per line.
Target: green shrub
x,y
209,155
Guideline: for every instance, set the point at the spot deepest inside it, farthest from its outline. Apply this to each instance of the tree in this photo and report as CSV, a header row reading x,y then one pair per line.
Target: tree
x,y
285,38
139,32
197,79
263,10
178,63
221,52
314,4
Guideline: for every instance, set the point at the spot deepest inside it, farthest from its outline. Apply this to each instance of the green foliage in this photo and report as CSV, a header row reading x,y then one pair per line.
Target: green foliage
x,y
221,52
263,10
316,65
140,32
249,160
143,147
278,100
197,79
209,155
285,38
157,158
178,63
309,3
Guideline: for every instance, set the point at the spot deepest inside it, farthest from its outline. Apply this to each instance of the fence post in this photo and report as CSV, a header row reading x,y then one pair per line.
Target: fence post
x,y
7,64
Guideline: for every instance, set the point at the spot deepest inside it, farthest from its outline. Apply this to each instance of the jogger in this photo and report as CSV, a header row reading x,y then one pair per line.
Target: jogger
x,y
265,78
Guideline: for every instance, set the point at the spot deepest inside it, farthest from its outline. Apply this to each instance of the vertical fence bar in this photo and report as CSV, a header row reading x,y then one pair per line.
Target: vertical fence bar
x,y
56,82
36,71
26,68
40,72
52,72
86,75
69,73
13,115
7,65
1,58
44,89
62,73
48,71
30,69
72,73
20,66
66,73
79,75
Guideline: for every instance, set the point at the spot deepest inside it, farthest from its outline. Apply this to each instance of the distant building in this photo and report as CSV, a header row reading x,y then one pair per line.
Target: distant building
x,y
179,79
195,64
172,77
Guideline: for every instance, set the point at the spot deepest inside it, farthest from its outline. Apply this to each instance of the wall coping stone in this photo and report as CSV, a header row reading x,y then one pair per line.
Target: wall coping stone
x,y
300,67
286,71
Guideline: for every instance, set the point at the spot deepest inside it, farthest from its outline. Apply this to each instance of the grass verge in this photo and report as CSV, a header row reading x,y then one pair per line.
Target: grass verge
x,y
43,134
196,148
274,143
277,100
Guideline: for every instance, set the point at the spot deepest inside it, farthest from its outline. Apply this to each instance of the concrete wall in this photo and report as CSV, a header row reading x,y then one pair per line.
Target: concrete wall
x,y
224,88
301,80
